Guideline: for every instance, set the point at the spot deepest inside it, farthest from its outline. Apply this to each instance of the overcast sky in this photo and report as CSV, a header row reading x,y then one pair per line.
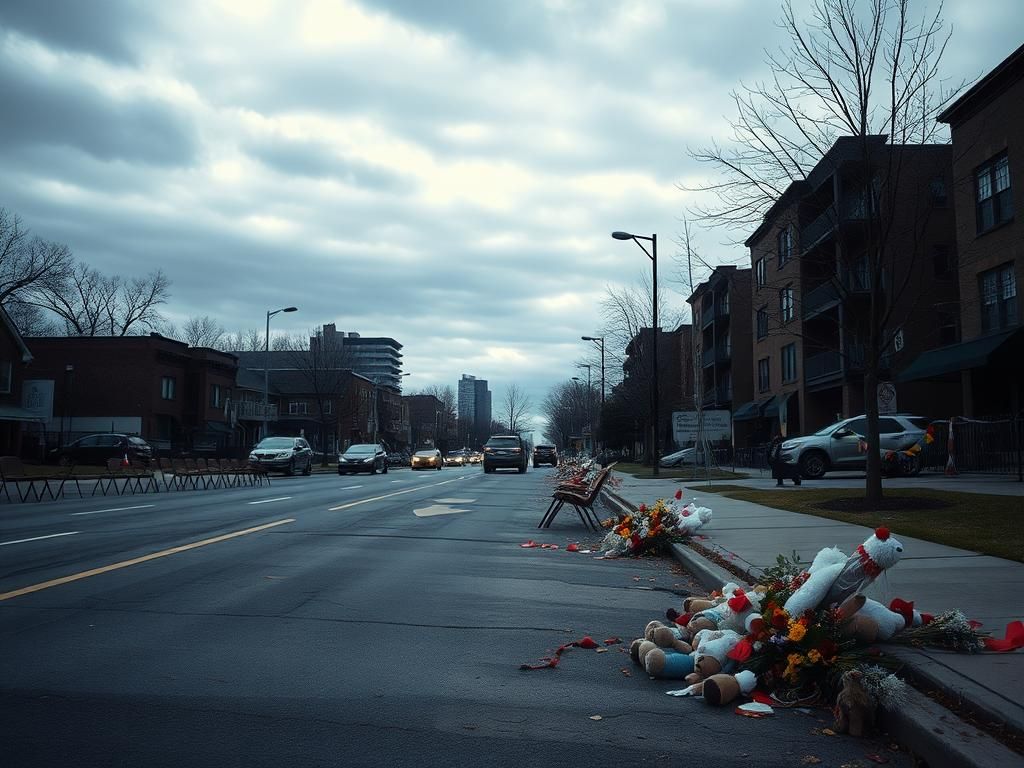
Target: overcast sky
x,y
445,172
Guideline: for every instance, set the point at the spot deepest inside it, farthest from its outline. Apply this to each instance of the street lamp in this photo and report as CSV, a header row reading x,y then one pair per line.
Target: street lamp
x,y
653,256
599,340
590,397
266,364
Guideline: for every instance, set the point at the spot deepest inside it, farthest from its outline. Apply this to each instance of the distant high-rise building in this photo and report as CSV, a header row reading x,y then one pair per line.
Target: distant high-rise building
x,y
474,409
378,358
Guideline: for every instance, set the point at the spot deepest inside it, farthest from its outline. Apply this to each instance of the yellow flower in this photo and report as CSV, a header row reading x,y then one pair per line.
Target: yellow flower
x,y
625,533
796,631
813,656
795,659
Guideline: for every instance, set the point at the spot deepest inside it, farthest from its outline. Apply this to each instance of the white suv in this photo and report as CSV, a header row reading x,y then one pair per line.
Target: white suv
x,y
837,446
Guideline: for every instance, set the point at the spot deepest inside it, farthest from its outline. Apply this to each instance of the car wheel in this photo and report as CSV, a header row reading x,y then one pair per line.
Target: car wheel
x,y
309,468
813,465
340,472
291,468
385,469
522,470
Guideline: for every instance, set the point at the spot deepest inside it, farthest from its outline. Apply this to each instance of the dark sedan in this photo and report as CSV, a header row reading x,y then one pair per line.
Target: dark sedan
x,y
363,457
96,449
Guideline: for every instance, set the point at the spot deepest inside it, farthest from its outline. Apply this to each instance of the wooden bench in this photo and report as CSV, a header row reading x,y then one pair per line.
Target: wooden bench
x,y
581,499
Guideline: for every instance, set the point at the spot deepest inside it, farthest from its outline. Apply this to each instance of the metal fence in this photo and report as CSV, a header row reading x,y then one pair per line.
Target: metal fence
x,y
991,446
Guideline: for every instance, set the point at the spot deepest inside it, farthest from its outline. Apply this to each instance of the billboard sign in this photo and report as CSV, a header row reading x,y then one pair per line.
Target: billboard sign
x,y
717,426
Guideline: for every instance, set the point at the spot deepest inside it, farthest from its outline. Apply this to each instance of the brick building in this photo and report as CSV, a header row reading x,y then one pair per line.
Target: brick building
x,y
21,410
987,125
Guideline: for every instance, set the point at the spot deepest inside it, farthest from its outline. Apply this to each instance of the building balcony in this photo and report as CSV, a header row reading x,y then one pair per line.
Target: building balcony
x,y
707,357
707,316
819,299
248,410
716,395
822,366
850,208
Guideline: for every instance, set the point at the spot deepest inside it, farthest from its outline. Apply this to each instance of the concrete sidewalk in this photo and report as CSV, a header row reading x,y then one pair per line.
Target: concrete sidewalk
x,y
936,577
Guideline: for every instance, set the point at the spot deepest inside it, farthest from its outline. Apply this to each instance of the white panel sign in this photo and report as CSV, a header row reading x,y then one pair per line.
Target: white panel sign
x,y
717,426
886,398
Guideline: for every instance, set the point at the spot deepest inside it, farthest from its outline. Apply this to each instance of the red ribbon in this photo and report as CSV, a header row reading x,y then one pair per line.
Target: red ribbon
x,y
550,662
742,650
1014,639
739,601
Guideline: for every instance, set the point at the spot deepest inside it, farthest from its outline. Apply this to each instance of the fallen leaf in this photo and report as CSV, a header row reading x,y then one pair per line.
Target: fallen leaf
x,y
626,672
828,732
811,760
596,717
876,758
602,650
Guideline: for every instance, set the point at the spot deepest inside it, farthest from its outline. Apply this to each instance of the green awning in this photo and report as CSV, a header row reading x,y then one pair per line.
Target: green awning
x,y
14,413
747,412
956,357
771,408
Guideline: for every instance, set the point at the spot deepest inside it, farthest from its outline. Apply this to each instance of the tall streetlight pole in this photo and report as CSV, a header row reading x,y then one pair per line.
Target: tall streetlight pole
x,y
600,341
590,398
266,365
653,256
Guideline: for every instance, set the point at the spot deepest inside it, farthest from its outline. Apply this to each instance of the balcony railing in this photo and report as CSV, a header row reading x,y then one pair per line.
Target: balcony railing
x,y
822,365
823,225
253,411
723,353
818,298
707,357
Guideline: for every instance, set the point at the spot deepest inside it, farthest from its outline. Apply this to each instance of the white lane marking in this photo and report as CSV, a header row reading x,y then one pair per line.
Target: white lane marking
x,y
455,501
387,496
267,501
437,509
37,538
113,509
350,487
398,481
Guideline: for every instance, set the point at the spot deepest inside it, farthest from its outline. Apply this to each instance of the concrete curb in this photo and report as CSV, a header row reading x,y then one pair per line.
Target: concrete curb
x,y
929,730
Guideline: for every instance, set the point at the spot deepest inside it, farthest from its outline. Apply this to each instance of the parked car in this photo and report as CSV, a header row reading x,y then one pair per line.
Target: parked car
x,y
505,452
427,459
545,454
282,454
838,446
96,449
363,457
396,459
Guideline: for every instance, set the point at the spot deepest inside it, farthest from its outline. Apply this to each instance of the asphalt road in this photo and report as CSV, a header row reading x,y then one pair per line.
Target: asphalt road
x,y
347,621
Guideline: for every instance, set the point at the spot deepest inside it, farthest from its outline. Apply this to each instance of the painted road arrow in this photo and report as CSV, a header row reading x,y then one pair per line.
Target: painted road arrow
x,y
442,507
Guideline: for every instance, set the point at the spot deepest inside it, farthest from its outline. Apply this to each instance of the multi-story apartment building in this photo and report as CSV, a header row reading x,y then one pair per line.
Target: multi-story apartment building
x,y
721,309
987,125
378,358
812,293
474,400
675,381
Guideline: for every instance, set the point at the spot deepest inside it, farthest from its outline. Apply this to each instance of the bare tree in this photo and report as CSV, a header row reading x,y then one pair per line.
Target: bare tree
x,y
565,412
250,340
448,416
864,70
515,409
202,331
28,263
89,303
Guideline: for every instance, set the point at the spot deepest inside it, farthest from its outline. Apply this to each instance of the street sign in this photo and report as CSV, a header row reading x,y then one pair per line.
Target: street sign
x,y
897,340
717,426
886,398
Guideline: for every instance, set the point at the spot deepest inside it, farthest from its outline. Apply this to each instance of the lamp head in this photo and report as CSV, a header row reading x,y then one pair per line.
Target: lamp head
x,y
290,309
622,235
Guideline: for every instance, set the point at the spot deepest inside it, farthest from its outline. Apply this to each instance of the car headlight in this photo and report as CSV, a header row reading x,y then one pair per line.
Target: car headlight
x,y
253,457
790,445
368,459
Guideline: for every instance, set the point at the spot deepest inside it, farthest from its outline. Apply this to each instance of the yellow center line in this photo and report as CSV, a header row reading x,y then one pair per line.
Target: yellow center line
x,y
389,495
136,561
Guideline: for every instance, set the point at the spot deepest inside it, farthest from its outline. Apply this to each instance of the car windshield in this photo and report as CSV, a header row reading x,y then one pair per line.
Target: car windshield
x,y
276,442
503,442
829,429
356,450
137,441
426,454
919,422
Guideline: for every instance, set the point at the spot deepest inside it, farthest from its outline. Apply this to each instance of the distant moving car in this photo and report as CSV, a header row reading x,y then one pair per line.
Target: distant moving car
x,y
505,452
427,459
96,449
363,457
838,446
456,459
545,454
282,454
476,457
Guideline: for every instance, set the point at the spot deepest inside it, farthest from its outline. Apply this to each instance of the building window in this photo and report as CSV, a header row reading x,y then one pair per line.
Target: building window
x,y
998,298
785,245
215,396
167,387
5,377
723,304
947,328
759,272
328,406
297,408
940,261
763,379
992,182
786,304
789,363
937,191
762,322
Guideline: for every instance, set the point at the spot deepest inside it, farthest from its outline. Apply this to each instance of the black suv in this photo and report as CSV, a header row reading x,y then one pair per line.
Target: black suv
x,y
505,452
545,454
